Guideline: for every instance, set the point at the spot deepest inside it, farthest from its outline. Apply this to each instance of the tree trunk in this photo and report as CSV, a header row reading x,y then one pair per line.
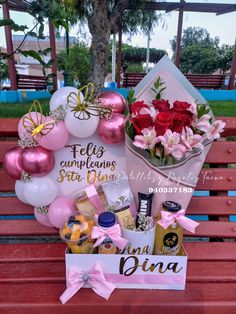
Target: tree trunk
x,y
100,29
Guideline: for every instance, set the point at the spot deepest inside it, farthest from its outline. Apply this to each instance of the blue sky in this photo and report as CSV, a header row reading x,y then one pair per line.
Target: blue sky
x,y
223,26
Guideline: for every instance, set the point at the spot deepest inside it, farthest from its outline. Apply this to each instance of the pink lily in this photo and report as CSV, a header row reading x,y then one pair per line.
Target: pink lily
x,y
171,142
148,140
215,129
193,109
203,123
191,140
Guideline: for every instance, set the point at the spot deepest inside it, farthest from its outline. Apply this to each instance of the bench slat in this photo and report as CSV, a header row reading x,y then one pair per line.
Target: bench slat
x,y
212,297
204,205
214,229
13,206
220,152
220,229
30,252
8,126
220,179
215,179
25,227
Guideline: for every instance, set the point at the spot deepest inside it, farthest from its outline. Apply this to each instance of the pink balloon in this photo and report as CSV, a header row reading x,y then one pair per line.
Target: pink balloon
x,y
42,218
112,131
57,138
60,211
22,132
12,162
37,161
113,100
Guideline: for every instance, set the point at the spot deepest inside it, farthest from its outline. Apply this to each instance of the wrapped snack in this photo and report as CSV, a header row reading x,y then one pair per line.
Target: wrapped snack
x,y
118,194
77,234
125,218
144,208
90,201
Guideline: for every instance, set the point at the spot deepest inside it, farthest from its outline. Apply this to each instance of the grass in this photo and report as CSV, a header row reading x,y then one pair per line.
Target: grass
x,y
14,110
223,108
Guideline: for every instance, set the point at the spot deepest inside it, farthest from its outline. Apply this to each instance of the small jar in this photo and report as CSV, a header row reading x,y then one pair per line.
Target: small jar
x,y
107,220
168,241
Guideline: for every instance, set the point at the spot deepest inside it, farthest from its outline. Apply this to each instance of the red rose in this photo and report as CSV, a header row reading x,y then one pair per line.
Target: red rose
x,y
137,106
161,105
163,121
181,106
181,120
141,121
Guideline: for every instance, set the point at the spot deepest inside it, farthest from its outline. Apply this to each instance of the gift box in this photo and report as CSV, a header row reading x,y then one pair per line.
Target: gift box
x,y
130,271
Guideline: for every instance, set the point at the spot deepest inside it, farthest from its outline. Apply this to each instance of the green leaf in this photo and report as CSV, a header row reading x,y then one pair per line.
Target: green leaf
x,y
15,27
32,34
32,53
46,51
49,63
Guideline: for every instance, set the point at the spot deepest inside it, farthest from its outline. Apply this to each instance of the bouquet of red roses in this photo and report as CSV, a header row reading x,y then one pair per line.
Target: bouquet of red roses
x,y
167,144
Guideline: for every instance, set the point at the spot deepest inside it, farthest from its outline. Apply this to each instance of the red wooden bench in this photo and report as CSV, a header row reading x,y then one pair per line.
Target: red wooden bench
x,y
31,82
207,81
33,271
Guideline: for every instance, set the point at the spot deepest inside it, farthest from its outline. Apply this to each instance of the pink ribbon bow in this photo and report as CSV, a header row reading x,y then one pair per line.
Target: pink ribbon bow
x,y
94,198
168,219
114,233
95,279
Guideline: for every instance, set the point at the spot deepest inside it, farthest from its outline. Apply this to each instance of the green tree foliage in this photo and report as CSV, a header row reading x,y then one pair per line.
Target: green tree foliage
x,y
76,63
3,71
137,55
200,53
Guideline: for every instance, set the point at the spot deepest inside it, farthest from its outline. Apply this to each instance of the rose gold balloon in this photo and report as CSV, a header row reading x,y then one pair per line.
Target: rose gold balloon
x,y
12,162
112,131
113,100
37,161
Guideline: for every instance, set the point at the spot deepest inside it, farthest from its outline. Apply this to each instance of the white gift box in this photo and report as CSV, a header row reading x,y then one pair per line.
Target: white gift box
x,y
134,271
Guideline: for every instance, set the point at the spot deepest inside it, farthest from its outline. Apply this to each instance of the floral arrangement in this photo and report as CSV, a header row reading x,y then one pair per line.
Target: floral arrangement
x,y
170,131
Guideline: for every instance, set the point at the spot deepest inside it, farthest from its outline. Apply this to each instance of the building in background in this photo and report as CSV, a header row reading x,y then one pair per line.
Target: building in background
x,y
30,66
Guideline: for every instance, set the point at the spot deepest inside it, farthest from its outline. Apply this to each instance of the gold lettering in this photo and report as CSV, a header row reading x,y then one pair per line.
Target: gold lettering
x,y
129,271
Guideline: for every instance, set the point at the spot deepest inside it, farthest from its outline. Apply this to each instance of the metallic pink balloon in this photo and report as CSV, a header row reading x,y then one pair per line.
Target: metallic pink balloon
x,y
113,100
112,131
37,161
12,162
57,138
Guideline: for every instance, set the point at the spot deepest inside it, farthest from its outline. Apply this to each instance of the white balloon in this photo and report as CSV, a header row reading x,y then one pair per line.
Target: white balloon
x,y
19,190
80,128
60,96
40,191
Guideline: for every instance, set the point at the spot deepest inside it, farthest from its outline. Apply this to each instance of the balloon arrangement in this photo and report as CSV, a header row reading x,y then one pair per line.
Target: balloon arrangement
x,y
73,112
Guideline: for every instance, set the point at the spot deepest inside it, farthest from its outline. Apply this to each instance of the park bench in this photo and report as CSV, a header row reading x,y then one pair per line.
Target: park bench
x,y
206,81
31,82
32,263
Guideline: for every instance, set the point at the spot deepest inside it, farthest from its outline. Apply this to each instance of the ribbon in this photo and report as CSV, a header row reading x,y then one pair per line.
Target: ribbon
x,y
94,198
168,219
87,107
94,278
114,233
35,125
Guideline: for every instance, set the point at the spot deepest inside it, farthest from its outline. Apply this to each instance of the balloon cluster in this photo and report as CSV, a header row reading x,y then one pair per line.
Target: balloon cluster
x,y
72,113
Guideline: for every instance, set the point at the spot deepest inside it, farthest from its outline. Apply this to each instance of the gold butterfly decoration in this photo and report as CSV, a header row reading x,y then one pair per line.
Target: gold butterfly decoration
x,y
35,124
84,109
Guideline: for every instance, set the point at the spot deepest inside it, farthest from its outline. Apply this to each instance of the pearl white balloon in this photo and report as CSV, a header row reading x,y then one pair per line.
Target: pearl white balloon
x,y
60,96
81,128
40,191
19,190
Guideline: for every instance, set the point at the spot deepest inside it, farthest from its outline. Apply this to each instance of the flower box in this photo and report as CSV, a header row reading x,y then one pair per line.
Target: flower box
x,y
134,271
